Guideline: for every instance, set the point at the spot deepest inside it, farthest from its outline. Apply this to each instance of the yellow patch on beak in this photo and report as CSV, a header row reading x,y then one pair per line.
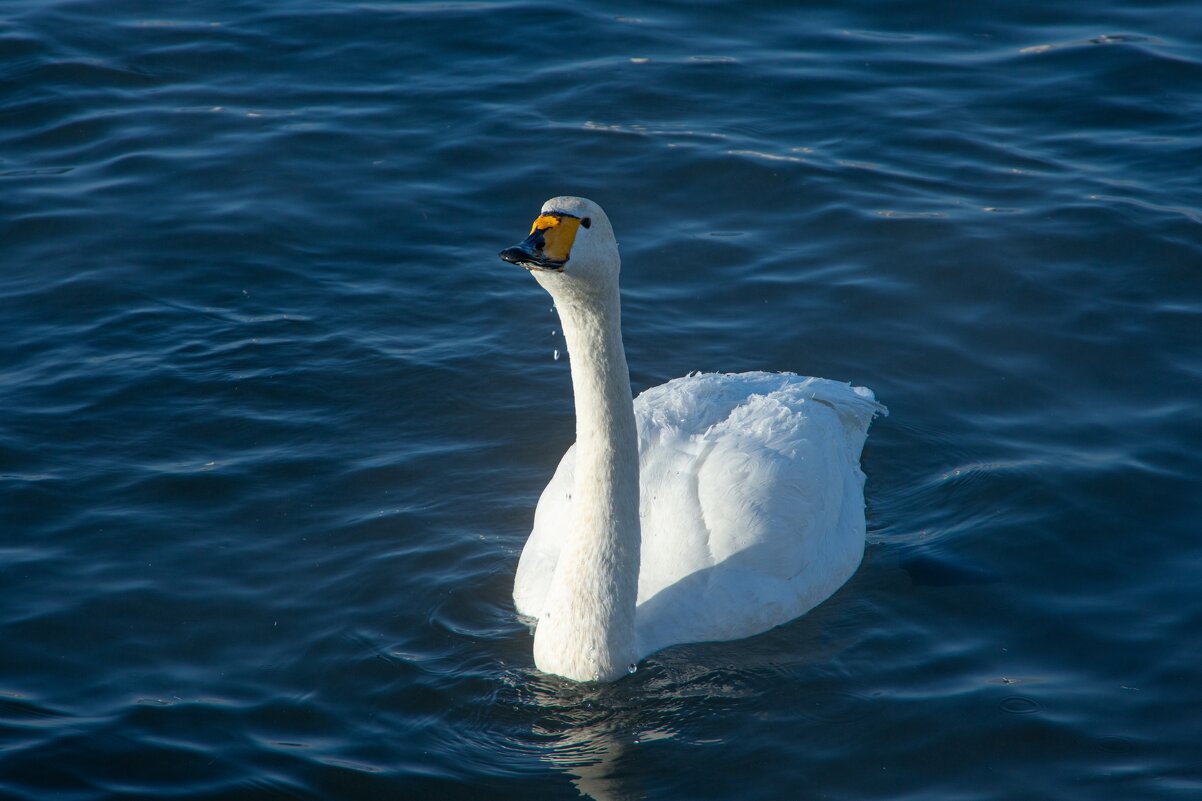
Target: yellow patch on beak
x,y
559,232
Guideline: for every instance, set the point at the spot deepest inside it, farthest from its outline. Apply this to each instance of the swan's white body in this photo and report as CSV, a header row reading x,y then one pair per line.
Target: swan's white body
x,y
751,505
714,507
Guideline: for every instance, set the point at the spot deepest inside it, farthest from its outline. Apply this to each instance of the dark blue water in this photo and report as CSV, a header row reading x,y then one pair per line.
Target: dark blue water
x,y
275,418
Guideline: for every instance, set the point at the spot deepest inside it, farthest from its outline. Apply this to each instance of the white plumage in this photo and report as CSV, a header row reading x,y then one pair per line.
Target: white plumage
x,y
750,505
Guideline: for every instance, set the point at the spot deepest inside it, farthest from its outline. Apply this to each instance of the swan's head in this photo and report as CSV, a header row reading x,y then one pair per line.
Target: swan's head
x,y
571,242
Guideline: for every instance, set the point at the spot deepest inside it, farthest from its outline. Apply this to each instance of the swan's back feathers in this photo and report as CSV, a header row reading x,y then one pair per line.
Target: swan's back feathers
x,y
694,403
751,504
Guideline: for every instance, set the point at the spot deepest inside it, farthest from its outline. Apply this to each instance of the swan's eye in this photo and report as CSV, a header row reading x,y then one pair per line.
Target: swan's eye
x,y
587,222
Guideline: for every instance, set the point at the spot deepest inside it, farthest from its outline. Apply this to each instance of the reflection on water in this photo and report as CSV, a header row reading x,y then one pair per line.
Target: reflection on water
x,y
588,733
592,733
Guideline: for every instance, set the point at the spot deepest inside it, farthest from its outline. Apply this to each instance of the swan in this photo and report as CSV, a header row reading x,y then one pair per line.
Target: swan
x,y
713,507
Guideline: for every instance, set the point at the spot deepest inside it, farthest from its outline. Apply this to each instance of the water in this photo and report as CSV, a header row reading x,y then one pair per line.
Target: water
x,y
276,418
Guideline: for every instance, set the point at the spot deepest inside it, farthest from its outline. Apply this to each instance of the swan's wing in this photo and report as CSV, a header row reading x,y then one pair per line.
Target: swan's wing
x,y
752,502
541,553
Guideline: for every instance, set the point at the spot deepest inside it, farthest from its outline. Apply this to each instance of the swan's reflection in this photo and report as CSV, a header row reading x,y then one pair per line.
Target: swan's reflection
x,y
590,732
593,732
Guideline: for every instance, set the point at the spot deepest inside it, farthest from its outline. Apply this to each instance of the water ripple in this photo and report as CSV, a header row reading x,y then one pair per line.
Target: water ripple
x,y
276,419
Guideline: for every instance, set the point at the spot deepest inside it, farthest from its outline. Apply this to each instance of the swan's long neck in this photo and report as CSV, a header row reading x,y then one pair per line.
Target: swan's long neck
x,y
586,631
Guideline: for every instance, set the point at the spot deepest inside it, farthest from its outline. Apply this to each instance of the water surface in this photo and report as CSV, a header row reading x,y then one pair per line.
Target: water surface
x,y
276,418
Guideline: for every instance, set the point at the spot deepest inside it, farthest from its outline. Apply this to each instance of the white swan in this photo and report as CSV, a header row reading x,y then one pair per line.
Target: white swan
x,y
713,507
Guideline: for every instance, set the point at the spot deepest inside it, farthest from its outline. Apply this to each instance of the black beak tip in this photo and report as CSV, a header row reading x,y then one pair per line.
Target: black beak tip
x,y
523,257
514,255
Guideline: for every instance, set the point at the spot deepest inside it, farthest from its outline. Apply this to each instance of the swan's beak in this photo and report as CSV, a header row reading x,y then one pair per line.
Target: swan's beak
x,y
529,255
549,245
